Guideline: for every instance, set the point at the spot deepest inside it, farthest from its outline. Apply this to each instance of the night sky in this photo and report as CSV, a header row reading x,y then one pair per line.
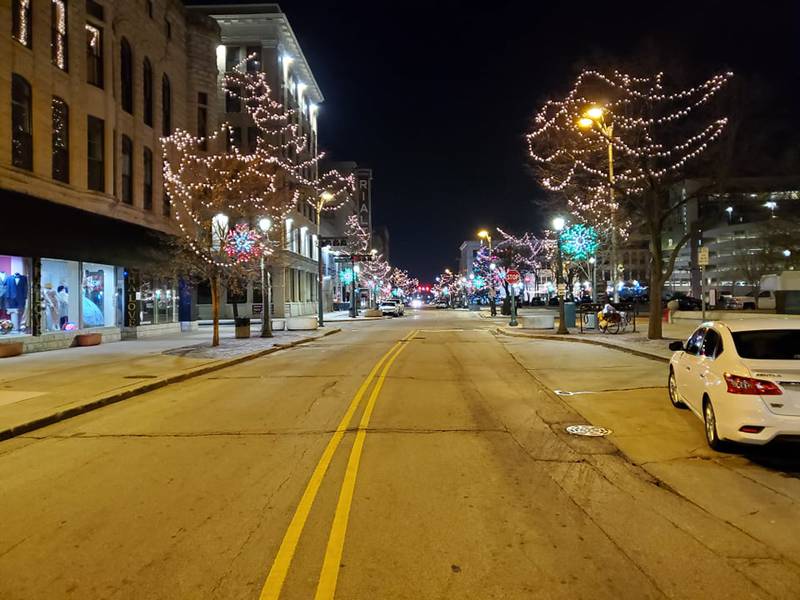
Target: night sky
x,y
436,96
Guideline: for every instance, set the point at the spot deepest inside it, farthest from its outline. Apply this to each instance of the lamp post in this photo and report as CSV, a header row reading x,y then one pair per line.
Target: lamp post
x,y
266,322
354,303
558,225
593,263
323,199
593,116
484,235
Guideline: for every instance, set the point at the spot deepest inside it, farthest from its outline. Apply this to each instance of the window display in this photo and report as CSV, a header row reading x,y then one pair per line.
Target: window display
x,y
98,308
14,295
60,295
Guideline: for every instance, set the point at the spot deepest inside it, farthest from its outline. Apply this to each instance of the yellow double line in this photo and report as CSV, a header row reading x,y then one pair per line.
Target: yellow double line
x,y
326,586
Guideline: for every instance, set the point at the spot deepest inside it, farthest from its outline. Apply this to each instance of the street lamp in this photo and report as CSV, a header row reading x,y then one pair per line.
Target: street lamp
x,y
484,235
593,262
558,226
264,225
594,117
729,210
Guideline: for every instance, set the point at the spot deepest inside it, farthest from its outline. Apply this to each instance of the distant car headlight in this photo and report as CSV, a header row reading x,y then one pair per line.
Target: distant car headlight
x,y
416,303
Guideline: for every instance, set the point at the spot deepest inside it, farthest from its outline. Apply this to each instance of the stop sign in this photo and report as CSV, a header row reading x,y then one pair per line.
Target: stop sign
x,y
512,276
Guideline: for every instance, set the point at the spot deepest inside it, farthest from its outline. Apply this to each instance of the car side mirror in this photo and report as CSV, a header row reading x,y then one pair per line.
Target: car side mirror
x,y
676,346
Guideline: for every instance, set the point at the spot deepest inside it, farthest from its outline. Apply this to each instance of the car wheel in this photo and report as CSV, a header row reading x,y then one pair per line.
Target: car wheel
x,y
710,420
673,391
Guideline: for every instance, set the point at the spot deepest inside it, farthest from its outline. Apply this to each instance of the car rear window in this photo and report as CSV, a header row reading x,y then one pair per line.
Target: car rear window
x,y
770,344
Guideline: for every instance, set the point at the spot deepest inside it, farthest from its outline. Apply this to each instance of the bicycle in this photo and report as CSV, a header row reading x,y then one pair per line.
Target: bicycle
x,y
614,322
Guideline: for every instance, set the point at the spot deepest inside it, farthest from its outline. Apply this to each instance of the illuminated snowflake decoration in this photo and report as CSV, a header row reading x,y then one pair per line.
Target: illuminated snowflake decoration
x,y
579,242
241,243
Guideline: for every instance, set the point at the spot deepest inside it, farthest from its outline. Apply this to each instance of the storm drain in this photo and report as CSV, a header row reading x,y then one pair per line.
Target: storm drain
x,y
588,430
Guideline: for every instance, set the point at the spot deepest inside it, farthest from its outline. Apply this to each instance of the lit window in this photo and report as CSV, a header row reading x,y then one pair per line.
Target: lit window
x,y
21,123
21,22
94,55
60,140
59,45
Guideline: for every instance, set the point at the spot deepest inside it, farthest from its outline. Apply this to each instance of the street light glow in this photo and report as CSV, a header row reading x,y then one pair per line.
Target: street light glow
x,y
558,223
483,234
585,123
787,253
264,224
326,196
594,112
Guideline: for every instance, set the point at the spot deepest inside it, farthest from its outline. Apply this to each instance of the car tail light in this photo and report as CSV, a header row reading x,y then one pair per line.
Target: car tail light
x,y
748,385
751,429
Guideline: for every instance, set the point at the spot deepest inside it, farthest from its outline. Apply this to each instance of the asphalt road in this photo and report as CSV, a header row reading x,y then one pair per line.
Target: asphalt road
x,y
422,457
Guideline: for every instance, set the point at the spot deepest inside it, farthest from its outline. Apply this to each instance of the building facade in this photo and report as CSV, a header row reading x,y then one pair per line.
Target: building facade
x,y
731,222
90,86
259,37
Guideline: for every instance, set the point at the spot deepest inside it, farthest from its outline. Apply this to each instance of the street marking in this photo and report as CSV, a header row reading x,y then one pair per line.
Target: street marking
x,y
326,587
283,559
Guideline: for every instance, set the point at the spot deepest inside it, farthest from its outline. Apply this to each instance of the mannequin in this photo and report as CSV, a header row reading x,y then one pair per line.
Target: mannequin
x,y
50,306
3,291
63,306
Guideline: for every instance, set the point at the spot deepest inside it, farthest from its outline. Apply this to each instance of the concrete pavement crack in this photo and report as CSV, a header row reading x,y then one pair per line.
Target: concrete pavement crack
x,y
249,536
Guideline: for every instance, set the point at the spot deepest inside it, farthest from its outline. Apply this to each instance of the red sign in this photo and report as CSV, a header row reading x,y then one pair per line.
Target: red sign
x,y
512,276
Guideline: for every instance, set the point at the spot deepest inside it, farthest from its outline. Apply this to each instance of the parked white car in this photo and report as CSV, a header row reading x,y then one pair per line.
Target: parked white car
x,y
741,378
392,307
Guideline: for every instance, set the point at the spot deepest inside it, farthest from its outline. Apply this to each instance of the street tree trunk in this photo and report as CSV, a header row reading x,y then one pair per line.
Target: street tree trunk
x,y
215,310
654,324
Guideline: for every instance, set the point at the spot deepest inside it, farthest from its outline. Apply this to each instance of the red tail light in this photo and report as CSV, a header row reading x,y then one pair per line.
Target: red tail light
x,y
747,385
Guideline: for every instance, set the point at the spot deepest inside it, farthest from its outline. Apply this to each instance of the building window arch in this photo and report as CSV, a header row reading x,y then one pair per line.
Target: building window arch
x,y
21,123
59,42
21,22
166,106
60,140
147,91
126,75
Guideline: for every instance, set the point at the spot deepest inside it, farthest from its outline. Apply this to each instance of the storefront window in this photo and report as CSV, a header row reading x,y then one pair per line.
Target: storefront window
x,y
60,295
14,295
98,304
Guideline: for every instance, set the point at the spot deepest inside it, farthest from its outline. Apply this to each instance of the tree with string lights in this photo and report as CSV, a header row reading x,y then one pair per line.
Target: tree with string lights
x,y
224,196
619,163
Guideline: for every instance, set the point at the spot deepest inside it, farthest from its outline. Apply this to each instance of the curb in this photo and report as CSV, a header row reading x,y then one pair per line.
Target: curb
x,y
149,387
563,338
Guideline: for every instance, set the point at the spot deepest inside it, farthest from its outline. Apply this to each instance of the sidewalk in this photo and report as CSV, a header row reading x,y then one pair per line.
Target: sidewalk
x,y
634,343
41,388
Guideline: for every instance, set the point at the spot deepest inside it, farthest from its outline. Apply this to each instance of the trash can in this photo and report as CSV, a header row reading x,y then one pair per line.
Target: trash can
x,y
569,313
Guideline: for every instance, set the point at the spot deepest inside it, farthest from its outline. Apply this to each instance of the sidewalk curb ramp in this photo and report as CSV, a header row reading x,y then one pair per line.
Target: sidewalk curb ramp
x,y
577,340
112,398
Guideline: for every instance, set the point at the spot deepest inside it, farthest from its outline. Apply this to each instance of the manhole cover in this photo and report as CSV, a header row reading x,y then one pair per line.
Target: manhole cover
x,y
588,430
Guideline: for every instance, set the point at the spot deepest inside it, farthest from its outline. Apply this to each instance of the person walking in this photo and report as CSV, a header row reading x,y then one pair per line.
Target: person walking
x,y
493,301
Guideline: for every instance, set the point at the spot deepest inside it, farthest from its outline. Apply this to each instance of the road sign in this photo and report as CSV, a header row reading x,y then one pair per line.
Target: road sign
x,y
335,242
702,256
512,276
258,309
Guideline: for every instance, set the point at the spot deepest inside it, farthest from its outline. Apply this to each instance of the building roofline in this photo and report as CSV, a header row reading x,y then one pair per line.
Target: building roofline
x,y
273,12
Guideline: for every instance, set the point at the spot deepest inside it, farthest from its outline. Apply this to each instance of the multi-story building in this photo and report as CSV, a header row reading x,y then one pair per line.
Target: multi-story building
x,y
730,222
89,87
260,37
468,252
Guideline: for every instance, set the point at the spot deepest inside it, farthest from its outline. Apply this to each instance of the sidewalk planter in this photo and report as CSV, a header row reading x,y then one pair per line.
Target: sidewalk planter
x,y
543,320
242,327
301,323
88,339
12,349
278,324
